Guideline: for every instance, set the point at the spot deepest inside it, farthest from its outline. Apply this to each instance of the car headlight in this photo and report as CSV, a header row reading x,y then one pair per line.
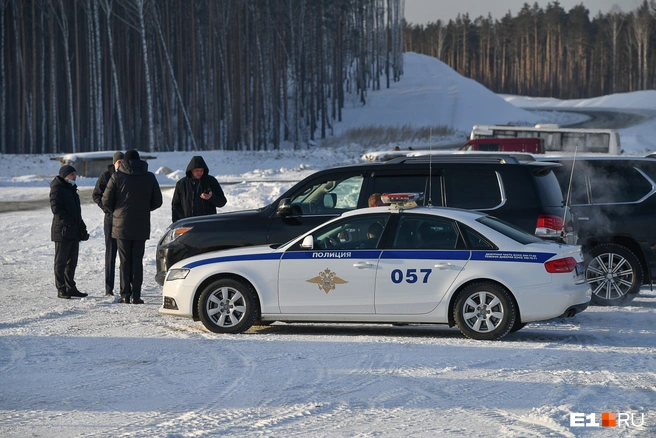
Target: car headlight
x,y
173,233
177,274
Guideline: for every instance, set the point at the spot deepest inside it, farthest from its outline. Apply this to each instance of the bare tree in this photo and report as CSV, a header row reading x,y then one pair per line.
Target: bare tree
x,y
642,25
107,8
3,80
140,9
175,83
62,19
615,23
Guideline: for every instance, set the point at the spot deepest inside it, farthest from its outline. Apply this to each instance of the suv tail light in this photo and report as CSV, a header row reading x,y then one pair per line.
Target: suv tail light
x,y
568,264
549,226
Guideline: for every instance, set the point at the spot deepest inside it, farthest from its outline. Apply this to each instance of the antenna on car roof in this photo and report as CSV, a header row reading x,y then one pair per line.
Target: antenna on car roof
x,y
569,190
430,166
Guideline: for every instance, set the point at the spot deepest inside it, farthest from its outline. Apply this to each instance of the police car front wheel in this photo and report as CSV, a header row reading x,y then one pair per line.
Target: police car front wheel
x,y
228,306
485,311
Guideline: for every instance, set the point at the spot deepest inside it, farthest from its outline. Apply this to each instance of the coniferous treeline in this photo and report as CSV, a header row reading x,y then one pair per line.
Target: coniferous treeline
x,y
161,75
547,52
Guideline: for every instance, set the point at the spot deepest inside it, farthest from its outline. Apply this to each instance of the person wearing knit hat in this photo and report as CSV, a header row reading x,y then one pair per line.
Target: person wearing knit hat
x,y
67,230
131,194
132,154
111,246
66,170
118,155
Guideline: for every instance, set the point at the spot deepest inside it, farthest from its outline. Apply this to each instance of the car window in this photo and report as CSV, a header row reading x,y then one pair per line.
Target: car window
x,y
509,230
475,240
579,190
603,183
334,196
426,232
611,184
549,189
362,232
472,189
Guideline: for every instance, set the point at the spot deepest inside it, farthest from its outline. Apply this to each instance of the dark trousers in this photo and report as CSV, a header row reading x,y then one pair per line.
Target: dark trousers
x,y
110,256
66,253
130,254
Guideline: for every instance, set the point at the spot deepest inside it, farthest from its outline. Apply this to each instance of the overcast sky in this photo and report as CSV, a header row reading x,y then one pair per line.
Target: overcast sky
x,y
424,11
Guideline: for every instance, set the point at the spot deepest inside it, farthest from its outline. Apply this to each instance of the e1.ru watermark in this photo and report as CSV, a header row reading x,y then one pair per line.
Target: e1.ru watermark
x,y
608,419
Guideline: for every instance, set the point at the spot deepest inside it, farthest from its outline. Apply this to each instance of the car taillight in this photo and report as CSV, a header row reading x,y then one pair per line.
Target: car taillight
x,y
568,264
548,225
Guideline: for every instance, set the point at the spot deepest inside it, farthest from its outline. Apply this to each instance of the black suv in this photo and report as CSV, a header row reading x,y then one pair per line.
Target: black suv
x,y
524,193
614,202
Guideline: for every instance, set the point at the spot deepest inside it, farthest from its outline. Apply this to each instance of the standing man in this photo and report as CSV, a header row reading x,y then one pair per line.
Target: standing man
x,y
131,194
67,230
110,243
198,193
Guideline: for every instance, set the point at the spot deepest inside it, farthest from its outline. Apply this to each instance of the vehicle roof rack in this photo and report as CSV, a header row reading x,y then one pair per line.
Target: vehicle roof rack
x,y
462,158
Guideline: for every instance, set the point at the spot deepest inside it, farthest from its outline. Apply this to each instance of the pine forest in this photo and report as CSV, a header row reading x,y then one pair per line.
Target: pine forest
x,y
547,52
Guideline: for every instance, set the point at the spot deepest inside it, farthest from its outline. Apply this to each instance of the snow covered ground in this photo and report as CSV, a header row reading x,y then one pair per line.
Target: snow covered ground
x,y
92,367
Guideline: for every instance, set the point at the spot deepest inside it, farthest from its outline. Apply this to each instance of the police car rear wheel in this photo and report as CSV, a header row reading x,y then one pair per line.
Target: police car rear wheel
x,y
228,306
484,311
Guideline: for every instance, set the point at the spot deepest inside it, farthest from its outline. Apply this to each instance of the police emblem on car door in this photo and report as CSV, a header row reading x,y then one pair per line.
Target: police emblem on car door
x,y
338,274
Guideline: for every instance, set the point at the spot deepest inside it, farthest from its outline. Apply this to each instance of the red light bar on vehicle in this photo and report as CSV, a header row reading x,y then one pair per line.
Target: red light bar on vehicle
x,y
399,198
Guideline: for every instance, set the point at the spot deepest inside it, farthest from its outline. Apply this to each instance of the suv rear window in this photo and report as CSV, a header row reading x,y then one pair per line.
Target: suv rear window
x,y
472,189
549,190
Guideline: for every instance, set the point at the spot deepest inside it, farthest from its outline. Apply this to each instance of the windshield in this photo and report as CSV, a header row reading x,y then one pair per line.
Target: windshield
x,y
328,197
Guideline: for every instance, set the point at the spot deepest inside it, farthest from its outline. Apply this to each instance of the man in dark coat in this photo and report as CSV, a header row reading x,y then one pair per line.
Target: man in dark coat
x,y
131,194
110,243
67,230
198,193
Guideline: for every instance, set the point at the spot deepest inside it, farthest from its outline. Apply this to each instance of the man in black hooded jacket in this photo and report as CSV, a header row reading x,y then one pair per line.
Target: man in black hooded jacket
x,y
131,194
67,230
198,193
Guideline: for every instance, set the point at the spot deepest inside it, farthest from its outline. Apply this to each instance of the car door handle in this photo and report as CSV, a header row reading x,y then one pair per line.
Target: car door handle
x,y
583,218
444,265
363,265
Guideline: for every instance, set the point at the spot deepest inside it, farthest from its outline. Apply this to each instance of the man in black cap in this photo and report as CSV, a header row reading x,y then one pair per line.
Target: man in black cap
x,y
67,230
110,243
131,194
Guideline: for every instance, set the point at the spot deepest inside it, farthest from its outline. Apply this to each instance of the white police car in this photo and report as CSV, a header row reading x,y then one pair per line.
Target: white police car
x,y
387,265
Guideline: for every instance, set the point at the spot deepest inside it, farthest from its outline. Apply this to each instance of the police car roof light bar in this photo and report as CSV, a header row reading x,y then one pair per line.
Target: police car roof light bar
x,y
401,200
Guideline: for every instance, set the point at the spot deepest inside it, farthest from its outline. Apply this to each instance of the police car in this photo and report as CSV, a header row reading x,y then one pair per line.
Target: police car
x,y
389,264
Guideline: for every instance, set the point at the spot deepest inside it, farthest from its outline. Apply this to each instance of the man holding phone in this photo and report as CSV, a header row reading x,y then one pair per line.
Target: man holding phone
x,y
198,193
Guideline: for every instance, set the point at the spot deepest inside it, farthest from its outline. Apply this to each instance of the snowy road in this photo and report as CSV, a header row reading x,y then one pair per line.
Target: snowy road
x,y
611,118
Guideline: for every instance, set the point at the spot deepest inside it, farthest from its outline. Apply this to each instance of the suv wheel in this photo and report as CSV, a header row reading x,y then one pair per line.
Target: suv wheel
x,y
228,306
614,274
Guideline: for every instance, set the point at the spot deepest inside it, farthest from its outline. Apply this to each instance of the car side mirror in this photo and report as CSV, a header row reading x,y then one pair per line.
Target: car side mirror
x,y
330,200
284,207
308,242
